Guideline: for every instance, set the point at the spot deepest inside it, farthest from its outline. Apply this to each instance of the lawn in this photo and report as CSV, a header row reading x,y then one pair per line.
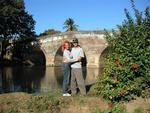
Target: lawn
x,y
54,102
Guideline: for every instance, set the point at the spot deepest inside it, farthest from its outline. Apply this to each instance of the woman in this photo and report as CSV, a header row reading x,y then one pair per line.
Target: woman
x,y
67,59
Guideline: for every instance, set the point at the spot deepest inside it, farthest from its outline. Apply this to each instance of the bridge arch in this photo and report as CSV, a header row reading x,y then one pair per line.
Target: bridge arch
x,y
92,44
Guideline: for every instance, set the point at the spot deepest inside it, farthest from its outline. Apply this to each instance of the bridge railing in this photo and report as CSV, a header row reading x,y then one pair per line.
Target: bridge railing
x,y
64,35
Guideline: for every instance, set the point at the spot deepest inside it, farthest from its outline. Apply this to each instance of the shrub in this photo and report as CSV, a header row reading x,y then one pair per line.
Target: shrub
x,y
127,70
116,108
138,110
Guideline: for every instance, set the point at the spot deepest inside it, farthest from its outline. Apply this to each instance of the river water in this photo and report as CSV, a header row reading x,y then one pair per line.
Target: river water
x,y
38,79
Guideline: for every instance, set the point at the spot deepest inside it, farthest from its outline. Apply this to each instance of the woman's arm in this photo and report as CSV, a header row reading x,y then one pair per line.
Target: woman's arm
x,y
67,57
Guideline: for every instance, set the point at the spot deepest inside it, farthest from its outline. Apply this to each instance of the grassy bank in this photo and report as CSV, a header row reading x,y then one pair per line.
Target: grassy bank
x,y
53,102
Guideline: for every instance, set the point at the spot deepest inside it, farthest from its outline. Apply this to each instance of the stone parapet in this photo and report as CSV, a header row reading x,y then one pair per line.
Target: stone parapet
x,y
92,43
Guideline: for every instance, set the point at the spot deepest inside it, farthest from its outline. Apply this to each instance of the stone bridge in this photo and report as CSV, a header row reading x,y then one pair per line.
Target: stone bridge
x,y
92,43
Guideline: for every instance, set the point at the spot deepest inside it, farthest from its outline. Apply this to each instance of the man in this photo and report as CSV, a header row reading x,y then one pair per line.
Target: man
x,y
76,69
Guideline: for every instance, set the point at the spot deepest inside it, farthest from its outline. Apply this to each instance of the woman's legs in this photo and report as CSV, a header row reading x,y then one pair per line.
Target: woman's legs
x,y
66,73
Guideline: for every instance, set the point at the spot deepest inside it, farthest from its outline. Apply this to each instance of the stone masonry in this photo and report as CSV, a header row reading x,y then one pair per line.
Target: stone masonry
x,y
92,43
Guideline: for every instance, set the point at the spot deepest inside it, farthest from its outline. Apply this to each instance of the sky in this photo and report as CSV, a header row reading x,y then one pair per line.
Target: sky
x,y
88,14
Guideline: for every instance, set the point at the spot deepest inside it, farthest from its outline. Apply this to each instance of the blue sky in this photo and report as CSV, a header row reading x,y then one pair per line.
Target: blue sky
x,y
88,14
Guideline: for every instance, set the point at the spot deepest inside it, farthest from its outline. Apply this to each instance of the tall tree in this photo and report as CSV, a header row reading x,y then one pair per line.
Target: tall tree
x,y
15,22
70,25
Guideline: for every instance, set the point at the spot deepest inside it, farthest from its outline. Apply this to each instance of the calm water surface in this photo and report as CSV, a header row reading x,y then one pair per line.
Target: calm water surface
x,y
37,79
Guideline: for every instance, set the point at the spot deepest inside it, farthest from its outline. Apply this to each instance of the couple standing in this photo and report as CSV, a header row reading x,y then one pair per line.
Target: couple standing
x,y
73,58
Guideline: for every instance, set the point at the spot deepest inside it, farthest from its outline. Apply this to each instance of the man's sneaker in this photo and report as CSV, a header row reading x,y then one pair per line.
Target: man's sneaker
x,y
66,94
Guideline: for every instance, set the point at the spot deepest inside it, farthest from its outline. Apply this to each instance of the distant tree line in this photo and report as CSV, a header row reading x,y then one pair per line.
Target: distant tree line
x,y
69,25
49,32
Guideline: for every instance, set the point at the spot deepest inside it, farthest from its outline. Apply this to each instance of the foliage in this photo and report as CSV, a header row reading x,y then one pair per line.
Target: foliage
x,y
15,22
70,25
13,111
116,108
49,32
119,108
138,110
43,103
15,25
127,70
53,102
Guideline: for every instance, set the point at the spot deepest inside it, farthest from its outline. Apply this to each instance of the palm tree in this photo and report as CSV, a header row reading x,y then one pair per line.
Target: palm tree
x,y
70,25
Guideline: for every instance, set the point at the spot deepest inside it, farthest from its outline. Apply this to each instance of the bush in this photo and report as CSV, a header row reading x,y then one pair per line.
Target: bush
x,y
116,108
127,70
138,110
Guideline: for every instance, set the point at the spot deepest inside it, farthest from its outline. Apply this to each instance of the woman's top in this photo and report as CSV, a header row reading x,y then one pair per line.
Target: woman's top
x,y
67,57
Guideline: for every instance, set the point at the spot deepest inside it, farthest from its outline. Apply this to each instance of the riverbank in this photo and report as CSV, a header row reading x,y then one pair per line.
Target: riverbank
x,y
54,102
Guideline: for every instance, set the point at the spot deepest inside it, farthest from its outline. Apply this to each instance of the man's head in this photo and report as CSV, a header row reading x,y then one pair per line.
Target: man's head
x,y
75,42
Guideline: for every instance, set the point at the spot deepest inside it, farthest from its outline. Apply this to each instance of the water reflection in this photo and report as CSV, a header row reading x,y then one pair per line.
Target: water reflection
x,y
26,79
37,79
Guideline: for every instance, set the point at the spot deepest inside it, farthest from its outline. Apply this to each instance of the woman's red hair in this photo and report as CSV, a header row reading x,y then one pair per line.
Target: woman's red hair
x,y
64,44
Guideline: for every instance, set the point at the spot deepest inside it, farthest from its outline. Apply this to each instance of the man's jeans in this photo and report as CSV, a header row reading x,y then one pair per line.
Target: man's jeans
x,y
66,75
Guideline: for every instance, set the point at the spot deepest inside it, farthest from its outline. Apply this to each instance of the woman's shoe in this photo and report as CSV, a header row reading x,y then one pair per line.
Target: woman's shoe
x,y
66,94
